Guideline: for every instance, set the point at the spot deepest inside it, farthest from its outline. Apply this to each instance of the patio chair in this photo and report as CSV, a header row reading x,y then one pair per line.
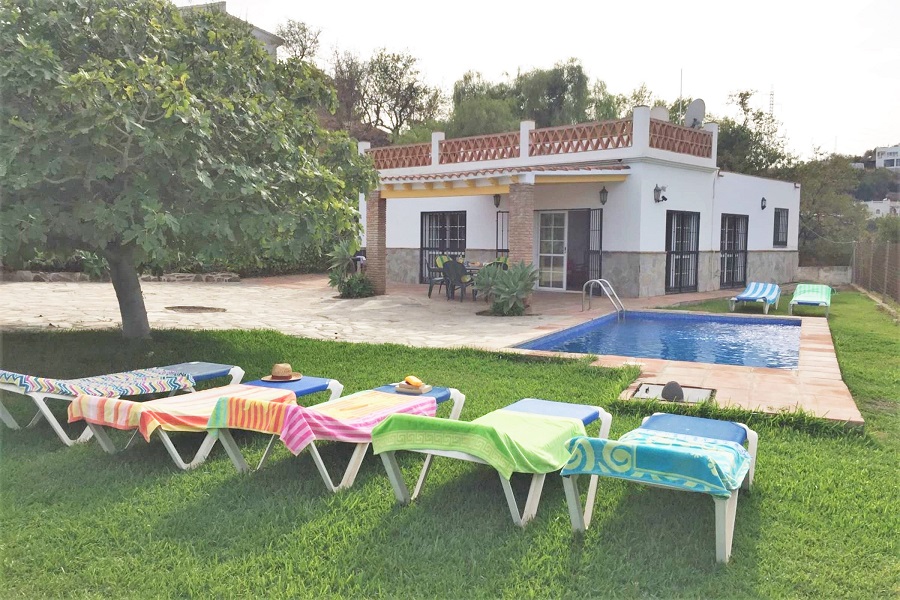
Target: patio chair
x,y
689,454
185,413
528,436
349,419
811,294
436,274
457,278
767,293
169,379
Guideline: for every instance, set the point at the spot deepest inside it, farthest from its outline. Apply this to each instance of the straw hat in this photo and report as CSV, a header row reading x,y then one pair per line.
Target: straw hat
x,y
282,372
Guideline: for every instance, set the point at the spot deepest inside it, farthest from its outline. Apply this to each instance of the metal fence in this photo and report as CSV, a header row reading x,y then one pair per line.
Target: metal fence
x,y
876,267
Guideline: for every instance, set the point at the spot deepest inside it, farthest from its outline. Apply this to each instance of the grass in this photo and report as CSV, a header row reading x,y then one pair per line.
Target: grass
x,y
820,522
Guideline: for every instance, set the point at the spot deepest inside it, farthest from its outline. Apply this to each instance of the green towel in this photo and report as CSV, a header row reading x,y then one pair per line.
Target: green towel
x,y
809,293
509,441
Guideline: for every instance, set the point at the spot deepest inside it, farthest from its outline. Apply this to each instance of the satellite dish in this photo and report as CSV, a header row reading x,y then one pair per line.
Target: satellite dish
x,y
660,113
693,116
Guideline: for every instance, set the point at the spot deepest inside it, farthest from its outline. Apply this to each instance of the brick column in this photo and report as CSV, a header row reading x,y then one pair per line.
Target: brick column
x,y
376,247
521,223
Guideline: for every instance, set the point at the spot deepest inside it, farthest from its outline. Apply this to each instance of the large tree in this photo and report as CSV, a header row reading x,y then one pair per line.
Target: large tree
x,y
301,41
555,96
830,219
395,94
136,132
751,144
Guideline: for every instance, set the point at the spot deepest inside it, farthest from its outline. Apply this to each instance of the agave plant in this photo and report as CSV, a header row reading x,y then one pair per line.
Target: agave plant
x,y
512,288
342,275
485,280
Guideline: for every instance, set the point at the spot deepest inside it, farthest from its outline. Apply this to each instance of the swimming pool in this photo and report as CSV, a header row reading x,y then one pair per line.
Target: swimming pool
x,y
719,339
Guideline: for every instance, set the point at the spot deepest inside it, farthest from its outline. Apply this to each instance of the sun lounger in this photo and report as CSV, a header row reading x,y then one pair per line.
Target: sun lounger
x,y
349,419
184,413
767,293
129,383
528,436
811,294
158,380
690,454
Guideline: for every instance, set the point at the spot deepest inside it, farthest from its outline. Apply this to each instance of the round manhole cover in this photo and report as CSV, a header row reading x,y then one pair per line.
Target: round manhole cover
x,y
195,309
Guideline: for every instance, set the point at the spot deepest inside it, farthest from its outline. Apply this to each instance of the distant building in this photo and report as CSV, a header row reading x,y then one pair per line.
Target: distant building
x,y
882,208
270,41
888,158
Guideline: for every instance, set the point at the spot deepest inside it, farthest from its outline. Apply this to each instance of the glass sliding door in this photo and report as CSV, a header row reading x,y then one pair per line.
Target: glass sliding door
x,y
552,250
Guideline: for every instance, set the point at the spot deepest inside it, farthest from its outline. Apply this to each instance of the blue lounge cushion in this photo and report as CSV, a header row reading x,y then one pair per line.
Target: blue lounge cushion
x,y
582,412
300,387
201,371
441,394
697,426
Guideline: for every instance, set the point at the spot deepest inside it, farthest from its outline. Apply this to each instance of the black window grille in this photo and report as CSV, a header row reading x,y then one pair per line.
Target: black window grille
x,y
443,233
682,251
733,267
502,246
781,227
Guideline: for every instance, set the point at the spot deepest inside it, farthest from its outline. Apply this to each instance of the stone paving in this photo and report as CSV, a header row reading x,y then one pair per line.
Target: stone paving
x,y
304,305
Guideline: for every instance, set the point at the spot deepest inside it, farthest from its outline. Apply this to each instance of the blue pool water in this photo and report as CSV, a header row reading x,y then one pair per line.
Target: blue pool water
x,y
724,340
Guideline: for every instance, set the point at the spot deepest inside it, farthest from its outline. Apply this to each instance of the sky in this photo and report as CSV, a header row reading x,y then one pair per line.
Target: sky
x,y
834,67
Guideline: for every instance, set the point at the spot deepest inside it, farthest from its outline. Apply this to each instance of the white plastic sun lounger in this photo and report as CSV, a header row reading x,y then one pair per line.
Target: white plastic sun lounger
x,y
688,454
185,413
527,436
170,379
767,293
348,419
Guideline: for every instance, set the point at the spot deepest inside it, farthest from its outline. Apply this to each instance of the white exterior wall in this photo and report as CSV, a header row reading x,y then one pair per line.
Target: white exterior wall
x,y
882,208
686,190
741,195
404,220
889,154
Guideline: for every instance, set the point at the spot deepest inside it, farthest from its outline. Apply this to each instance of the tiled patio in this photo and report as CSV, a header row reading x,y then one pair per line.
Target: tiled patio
x,y
304,305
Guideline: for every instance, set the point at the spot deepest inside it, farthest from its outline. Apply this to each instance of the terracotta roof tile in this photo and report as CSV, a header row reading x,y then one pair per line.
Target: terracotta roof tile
x,y
503,171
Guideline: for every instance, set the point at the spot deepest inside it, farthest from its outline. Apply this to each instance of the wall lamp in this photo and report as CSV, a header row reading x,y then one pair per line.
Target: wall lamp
x,y
604,195
657,194
496,200
762,204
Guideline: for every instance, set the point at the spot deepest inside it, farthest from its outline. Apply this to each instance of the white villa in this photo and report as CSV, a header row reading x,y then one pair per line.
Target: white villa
x,y
637,201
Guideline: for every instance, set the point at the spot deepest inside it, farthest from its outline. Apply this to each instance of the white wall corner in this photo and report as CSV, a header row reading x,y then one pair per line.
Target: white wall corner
x,y
525,129
436,138
361,147
640,130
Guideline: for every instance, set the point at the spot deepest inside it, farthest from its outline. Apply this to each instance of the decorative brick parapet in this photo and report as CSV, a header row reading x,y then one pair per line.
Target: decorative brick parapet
x,y
376,241
521,223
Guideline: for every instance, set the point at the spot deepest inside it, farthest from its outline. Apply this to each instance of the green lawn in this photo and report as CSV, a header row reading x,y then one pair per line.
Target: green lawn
x,y
821,521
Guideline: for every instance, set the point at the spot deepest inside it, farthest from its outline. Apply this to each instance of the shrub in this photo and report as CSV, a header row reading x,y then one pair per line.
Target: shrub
x,y
512,288
485,280
356,286
341,273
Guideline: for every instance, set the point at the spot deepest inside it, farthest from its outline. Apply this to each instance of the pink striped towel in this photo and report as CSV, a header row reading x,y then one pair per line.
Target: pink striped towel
x,y
348,419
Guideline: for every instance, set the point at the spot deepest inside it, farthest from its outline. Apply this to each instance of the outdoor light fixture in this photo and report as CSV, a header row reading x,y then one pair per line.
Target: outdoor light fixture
x,y
657,194
603,196
496,200
762,204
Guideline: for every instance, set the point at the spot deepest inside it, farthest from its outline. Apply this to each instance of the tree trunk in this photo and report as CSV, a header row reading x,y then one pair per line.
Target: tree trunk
x,y
128,291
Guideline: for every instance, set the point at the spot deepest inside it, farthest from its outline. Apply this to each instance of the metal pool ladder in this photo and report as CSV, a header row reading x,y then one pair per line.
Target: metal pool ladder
x,y
606,287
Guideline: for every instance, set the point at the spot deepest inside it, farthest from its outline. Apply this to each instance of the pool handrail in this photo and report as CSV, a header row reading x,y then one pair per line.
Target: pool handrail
x,y
607,287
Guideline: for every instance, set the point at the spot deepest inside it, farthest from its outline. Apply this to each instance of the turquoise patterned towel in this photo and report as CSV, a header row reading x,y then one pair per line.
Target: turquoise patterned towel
x,y
686,462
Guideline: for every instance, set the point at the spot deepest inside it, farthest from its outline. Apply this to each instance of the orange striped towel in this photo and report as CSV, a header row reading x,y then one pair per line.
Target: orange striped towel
x,y
187,412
